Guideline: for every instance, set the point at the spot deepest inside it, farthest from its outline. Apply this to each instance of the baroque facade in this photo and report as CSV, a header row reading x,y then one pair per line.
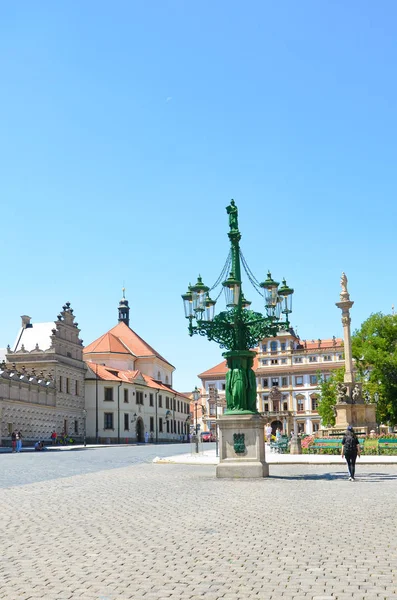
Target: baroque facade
x,y
129,393
42,380
286,370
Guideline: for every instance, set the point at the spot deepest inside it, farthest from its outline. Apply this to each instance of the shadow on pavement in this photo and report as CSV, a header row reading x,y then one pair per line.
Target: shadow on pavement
x,y
367,477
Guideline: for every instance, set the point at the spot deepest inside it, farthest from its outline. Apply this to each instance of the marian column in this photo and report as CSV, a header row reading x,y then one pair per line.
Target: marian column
x,y
345,305
350,408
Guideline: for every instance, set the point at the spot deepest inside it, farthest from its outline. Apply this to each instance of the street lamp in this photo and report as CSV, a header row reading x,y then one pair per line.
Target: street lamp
x,y
85,426
238,329
196,395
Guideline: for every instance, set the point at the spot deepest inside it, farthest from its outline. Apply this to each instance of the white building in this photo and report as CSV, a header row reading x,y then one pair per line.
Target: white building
x,y
129,389
42,381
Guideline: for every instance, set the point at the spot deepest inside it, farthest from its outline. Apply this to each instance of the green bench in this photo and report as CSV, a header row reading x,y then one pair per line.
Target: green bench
x,y
387,444
329,443
279,447
325,444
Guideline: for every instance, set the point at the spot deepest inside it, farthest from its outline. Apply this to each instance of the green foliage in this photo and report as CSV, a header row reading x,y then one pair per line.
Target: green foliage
x,y
328,396
374,348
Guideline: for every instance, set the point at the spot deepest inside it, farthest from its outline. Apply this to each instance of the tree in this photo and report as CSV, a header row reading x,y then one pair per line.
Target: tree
x,y
374,348
328,396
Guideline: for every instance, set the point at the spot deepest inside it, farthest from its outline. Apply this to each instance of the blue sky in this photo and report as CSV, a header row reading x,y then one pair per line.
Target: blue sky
x,y
127,127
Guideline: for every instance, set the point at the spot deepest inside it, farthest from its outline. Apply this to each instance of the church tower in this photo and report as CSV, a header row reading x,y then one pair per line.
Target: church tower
x,y
124,310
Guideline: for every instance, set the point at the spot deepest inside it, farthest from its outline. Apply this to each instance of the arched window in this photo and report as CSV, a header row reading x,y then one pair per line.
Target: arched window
x,y
273,346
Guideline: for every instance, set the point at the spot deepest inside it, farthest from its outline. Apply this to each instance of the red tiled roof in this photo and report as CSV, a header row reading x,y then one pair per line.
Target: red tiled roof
x,y
122,339
107,343
221,369
322,344
111,374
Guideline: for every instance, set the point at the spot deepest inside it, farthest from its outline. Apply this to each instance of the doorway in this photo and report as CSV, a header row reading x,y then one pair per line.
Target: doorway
x,y
276,425
140,431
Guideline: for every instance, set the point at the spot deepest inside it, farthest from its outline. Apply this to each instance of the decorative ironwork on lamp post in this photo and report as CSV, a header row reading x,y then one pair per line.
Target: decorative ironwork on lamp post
x,y
238,329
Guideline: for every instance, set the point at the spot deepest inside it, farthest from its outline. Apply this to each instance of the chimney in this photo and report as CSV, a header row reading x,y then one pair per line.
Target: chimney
x,y
26,322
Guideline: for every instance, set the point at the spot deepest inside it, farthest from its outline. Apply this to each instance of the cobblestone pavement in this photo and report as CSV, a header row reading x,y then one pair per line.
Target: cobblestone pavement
x,y
171,532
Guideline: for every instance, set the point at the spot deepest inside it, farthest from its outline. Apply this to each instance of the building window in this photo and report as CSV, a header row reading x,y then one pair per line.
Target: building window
x,y
167,402
60,383
275,381
126,422
158,375
76,387
301,427
174,426
166,379
160,401
151,423
299,380
284,381
67,385
314,402
266,408
178,407
285,406
168,426
327,357
265,383
223,386
108,420
161,425
298,359
340,356
109,396
264,347
139,398
273,346
69,354
283,346
274,361
126,396
326,377
174,403
76,426
300,403
312,358
313,379
316,426
264,362
179,428
283,361
151,402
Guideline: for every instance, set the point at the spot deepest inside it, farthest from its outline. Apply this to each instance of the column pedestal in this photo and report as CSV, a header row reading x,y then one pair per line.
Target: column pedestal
x,y
359,416
242,447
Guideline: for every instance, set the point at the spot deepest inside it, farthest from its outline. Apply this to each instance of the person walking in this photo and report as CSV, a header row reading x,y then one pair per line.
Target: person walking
x,y
350,451
146,437
19,441
268,433
13,441
54,438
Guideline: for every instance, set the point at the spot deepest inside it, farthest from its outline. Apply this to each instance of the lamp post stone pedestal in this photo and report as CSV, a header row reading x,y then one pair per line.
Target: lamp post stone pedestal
x,y
242,448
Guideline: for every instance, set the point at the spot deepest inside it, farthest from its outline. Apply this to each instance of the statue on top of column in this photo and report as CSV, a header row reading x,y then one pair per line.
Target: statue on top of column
x,y
344,295
233,213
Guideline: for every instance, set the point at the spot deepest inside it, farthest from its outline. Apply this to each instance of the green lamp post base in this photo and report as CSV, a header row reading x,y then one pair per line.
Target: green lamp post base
x,y
240,383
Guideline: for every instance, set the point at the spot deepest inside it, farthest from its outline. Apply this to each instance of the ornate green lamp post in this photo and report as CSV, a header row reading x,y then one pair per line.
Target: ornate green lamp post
x,y
238,329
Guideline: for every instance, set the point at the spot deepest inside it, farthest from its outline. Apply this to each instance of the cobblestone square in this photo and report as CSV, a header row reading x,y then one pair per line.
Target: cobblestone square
x,y
109,525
